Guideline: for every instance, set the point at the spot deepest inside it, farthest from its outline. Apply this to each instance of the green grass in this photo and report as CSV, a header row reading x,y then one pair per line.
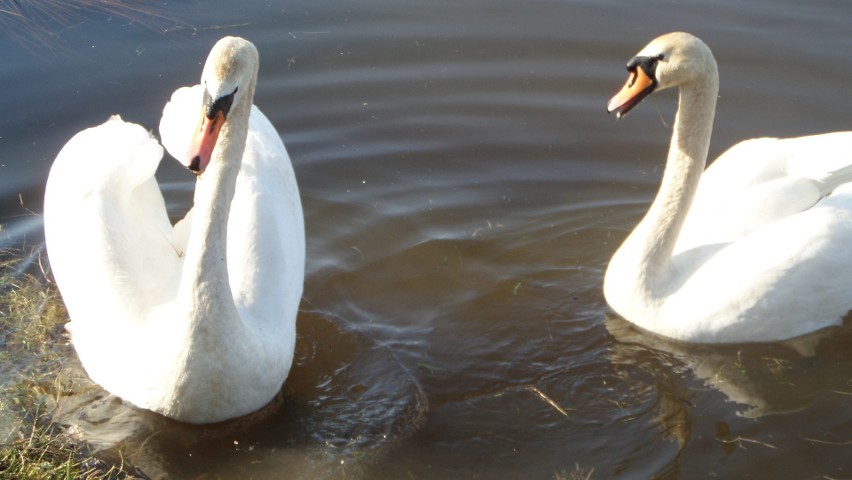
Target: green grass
x,y
42,451
33,347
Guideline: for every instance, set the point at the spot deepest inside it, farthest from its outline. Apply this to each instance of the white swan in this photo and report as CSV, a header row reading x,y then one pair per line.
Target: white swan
x,y
196,322
758,247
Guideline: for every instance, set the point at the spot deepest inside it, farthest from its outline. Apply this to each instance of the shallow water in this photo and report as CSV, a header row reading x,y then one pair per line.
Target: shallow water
x,y
463,192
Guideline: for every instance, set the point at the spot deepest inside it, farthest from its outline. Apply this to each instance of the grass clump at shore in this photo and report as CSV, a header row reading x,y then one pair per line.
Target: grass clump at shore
x,y
42,452
33,346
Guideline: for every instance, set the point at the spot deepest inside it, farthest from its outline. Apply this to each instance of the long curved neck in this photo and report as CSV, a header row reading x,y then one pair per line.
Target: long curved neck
x,y
654,239
204,286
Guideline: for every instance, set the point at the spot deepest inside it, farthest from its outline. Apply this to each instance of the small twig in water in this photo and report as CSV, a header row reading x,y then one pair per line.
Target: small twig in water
x,y
196,29
21,203
826,442
547,399
747,440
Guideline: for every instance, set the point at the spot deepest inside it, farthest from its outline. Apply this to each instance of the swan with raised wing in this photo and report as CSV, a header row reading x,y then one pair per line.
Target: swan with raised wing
x,y
196,321
758,247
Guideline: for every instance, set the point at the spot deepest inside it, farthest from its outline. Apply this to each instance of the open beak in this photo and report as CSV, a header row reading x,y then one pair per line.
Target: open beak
x,y
639,85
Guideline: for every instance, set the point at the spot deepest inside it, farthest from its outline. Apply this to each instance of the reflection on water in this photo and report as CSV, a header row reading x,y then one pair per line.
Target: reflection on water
x,y
463,191
768,379
772,388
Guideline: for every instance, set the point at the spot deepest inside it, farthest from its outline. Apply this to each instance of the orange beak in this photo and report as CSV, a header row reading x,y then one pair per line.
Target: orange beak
x,y
203,141
639,85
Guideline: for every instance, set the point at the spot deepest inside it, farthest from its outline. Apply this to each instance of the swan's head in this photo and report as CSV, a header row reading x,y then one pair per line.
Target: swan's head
x,y
672,60
228,81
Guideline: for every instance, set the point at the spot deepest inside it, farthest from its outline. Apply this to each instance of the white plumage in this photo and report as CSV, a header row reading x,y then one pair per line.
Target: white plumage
x,y
196,321
758,247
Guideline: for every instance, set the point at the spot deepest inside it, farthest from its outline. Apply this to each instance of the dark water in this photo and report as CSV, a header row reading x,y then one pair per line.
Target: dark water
x,y
463,192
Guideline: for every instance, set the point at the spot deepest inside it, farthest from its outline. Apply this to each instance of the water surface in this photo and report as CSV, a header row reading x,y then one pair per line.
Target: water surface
x,y
463,191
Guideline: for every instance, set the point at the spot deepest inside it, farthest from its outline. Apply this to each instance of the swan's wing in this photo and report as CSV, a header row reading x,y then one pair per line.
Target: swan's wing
x,y
266,232
761,181
108,237
786,279
179,120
